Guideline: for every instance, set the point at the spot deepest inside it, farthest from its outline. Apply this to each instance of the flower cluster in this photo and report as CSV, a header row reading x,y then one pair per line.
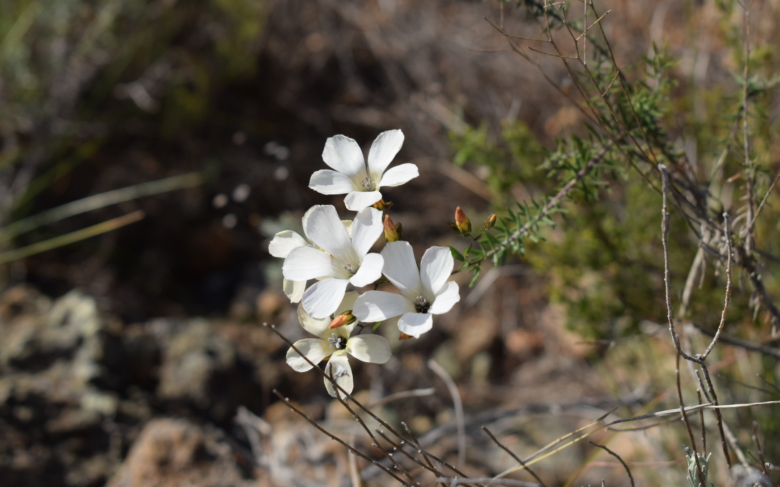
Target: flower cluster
x,y
337,254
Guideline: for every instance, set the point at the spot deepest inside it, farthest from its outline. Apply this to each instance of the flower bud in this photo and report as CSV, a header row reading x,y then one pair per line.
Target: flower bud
x,y
383,205
392,233
345,318
490,222
404,336
462,221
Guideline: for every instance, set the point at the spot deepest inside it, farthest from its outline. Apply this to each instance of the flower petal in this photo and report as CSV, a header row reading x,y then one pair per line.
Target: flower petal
x,y
316,326
383,150
326,181
345,156
435,268
399,175
294,289
284,242
401,269
373,306
446,299
415,324
322,299
357,200
370,270
348,302
306,263
323,227
312,348
373,349
366,229
338,368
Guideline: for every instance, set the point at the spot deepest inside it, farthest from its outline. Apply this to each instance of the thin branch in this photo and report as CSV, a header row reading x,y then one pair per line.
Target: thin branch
x,y
515,457
628,470
339,440
727,234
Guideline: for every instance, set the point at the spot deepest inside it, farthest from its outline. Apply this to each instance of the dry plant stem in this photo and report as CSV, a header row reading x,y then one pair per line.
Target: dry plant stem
x,y
515,457
458,403
670,314
399,447
701,422
431,455
685,416
628,471
718,416
770,352
375,442
552,203
98,201
672,412
758,448
339,440
727,233
735,446
70,238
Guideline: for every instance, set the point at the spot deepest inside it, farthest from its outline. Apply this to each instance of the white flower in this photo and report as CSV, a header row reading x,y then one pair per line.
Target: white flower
x,y
351,177
282,244
337,259
336,344
424,292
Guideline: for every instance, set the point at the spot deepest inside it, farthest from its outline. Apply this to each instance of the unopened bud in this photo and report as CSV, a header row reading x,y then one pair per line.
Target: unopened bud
x,y
490,222
462,221
391,232
404,336
383,205
345,318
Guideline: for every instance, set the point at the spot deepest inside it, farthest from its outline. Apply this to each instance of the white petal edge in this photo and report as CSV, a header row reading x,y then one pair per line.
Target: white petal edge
x,y
294,290
326,181
370,270
345,156
357,200
399,175
415,324
323,227
435,268
366,229
383,151
324,297
338,366
401,269
373,349
284,242
312,348
316,326
446,299
306,263
373,306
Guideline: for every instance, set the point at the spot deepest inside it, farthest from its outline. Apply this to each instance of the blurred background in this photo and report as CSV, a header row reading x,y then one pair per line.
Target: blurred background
x,y
130,334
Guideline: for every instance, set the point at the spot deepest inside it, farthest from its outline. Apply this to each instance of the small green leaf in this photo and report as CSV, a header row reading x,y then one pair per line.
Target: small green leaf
x,y
456,255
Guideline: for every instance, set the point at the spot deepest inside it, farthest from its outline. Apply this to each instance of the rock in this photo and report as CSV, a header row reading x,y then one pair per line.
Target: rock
x,y
175,452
